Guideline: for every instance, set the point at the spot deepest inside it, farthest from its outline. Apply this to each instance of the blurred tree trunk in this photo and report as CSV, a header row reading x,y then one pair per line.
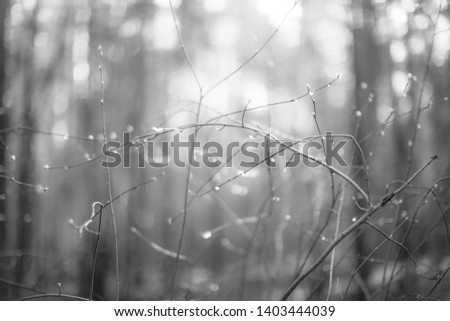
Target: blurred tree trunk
x,y
4,123
366,64
22,209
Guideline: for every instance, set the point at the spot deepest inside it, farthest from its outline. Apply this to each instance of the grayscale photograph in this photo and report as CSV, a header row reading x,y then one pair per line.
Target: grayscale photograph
x,y
225,150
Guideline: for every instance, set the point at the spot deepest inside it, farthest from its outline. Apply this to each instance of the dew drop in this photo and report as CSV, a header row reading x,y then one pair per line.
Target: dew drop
x,y
129,128
91,137
370,154
382,133
358,113
113,135
13,157
206,235
314,114
66,168
410,143
276,199
46,166
287,217
251,137
217,188
66,137
419,126
364,85
354,219
324,238
445,98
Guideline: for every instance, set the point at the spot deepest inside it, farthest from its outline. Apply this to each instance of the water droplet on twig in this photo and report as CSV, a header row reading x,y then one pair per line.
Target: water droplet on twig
x,y
276,199
206,235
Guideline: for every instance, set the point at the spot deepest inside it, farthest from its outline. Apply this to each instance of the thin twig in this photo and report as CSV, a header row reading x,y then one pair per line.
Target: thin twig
x,y
159,248
12,179
183,47
54,296
243,112
97,242
336,234
113,215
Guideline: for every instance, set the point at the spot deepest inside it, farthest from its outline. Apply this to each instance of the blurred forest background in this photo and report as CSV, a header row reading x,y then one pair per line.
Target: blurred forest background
x,y
247,235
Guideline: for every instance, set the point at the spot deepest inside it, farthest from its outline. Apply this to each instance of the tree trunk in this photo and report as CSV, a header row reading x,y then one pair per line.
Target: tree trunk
x,y
365,66
4,123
